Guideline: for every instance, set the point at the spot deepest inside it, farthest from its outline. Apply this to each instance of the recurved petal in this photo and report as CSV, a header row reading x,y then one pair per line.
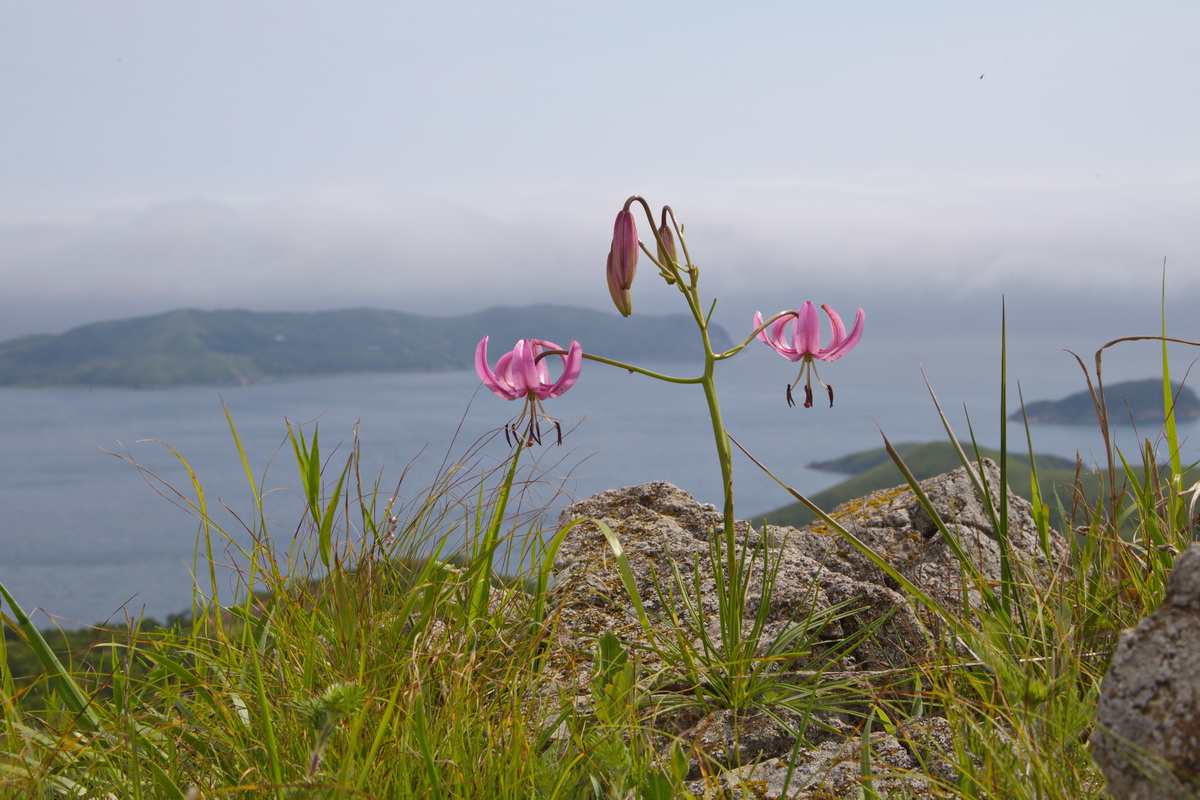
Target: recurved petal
x,y
511,383
775,335
572,366
847,344
762,335
837,329
779,338
485,373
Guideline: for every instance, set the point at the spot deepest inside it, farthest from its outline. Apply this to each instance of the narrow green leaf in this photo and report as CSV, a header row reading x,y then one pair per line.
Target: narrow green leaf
x,y
327,517
626,576
423,744
264,713
1171,434
64,685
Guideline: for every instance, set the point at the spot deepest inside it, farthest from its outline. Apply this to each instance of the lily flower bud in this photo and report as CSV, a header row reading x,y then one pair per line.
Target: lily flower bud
x,y
666,245
622,261
666,251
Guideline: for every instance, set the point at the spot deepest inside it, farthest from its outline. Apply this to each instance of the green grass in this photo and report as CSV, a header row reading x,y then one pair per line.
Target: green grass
x,y
358,657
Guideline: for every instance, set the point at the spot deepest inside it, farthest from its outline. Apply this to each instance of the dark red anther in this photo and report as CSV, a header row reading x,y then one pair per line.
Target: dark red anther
x,y
807,396
791,402
829,389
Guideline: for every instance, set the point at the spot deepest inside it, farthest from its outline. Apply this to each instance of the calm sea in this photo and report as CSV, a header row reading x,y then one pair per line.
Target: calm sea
x,y
85,536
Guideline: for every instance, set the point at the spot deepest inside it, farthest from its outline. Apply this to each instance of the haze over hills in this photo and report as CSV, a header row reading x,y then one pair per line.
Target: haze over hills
x,y
187,346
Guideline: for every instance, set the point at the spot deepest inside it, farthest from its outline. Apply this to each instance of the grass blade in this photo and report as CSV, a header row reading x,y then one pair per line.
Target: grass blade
x,y
67,689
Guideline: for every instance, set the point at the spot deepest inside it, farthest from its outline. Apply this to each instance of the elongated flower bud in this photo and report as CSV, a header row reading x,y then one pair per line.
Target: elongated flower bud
x,y
622,261
666,248
620,297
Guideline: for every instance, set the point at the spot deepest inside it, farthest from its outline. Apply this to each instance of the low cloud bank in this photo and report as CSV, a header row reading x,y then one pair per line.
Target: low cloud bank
x,y
340,248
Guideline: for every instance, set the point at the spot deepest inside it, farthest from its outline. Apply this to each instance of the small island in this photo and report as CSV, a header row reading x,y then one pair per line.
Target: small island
x,y
237,347
1128,402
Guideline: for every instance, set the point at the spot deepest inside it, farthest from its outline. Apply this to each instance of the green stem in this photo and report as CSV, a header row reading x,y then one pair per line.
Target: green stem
x,y
630,367
684,277
753,335
725,459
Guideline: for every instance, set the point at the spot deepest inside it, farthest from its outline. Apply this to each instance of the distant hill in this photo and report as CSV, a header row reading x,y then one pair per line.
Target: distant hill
x,y
924,457
873,470
239,347
1141,399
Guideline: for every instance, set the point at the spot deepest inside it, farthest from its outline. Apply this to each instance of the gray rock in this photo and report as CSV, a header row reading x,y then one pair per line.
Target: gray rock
x,y
663,528
726,739
1147,736
911,763
897,527
666,532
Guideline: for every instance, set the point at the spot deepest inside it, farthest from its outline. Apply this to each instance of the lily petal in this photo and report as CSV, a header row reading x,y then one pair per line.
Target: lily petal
x,y
758,321
487,376
525,368
520,373
806,333
837,329
774,335
840,348
572,366
505,377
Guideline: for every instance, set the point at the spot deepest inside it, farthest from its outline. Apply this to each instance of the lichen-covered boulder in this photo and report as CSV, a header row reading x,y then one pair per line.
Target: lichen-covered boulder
x,y
1147,736
895,524
665,533
663,528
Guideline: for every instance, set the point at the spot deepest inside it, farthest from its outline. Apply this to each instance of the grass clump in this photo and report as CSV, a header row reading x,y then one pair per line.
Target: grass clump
x,y
364,656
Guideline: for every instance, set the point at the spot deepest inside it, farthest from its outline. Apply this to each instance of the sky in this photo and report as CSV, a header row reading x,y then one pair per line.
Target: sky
x,y
917,159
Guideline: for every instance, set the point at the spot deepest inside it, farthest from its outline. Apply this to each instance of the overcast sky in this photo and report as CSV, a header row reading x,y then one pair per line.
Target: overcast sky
x,y
440,157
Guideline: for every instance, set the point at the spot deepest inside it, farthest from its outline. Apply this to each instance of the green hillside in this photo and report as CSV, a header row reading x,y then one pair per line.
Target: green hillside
x,y
237,347
876,471
860,462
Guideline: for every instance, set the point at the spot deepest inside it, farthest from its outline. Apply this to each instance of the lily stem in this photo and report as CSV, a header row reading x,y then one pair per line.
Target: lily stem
x,y
733,578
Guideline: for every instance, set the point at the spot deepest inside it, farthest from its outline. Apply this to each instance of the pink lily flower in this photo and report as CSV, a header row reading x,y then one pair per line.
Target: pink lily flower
x,y
622,260
523,373
805,343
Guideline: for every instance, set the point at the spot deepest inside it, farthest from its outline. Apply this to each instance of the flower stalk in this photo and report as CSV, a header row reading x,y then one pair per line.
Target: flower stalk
x,y
522,373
